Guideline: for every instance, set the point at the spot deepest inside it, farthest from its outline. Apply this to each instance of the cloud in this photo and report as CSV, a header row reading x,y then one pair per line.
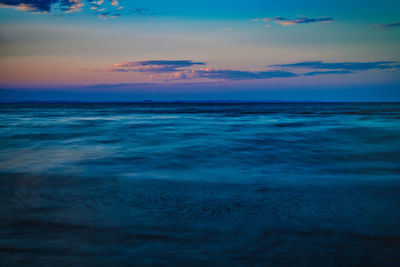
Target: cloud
x,y
226,74
154,66
241,75
98,2
342,66
182,70
314,73
289,22
178,75
386,25
167,70
43,6
104,9
29,5
72,6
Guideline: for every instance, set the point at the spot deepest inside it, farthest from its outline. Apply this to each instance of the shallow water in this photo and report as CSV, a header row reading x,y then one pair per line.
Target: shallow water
x,y
196,184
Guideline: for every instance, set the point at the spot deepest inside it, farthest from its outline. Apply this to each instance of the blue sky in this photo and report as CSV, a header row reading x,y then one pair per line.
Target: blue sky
x,y
240,50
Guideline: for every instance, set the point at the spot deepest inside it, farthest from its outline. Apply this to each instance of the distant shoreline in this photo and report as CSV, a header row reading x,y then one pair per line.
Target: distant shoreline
x,y
191,102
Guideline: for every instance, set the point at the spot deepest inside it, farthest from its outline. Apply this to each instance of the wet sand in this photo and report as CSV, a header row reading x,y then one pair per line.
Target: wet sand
x,y
76,221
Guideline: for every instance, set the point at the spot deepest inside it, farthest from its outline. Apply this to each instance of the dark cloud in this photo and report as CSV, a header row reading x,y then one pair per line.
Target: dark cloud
x,y
181,63
300,20
386,26
242,75
29,5
154,66
103,8
321,68
67,6
183,69
314,73
345,66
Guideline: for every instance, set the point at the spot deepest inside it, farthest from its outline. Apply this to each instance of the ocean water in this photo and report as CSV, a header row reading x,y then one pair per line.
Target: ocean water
x,y
186,184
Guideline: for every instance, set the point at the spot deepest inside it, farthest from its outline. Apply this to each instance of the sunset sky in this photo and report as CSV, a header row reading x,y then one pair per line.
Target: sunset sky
x,y
200,50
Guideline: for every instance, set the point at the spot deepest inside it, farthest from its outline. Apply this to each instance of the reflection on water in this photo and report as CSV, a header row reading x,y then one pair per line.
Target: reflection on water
x,y
195,184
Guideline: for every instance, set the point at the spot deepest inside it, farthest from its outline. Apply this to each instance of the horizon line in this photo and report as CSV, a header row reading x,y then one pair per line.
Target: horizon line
x,y
182,101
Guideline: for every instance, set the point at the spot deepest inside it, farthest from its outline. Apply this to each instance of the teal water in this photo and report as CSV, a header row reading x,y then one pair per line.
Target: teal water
x,y
310,184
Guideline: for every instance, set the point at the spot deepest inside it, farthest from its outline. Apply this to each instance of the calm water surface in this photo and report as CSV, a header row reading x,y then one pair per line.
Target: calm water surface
x,y
200,184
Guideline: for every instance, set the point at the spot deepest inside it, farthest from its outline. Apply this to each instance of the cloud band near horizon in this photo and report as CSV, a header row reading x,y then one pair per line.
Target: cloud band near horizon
x,y
289,22
184,69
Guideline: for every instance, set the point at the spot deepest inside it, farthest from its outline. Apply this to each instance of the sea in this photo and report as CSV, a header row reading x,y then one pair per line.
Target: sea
x,y
200,184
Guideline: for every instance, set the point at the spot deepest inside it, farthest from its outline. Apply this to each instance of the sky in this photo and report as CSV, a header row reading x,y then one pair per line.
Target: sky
x,y
254,50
